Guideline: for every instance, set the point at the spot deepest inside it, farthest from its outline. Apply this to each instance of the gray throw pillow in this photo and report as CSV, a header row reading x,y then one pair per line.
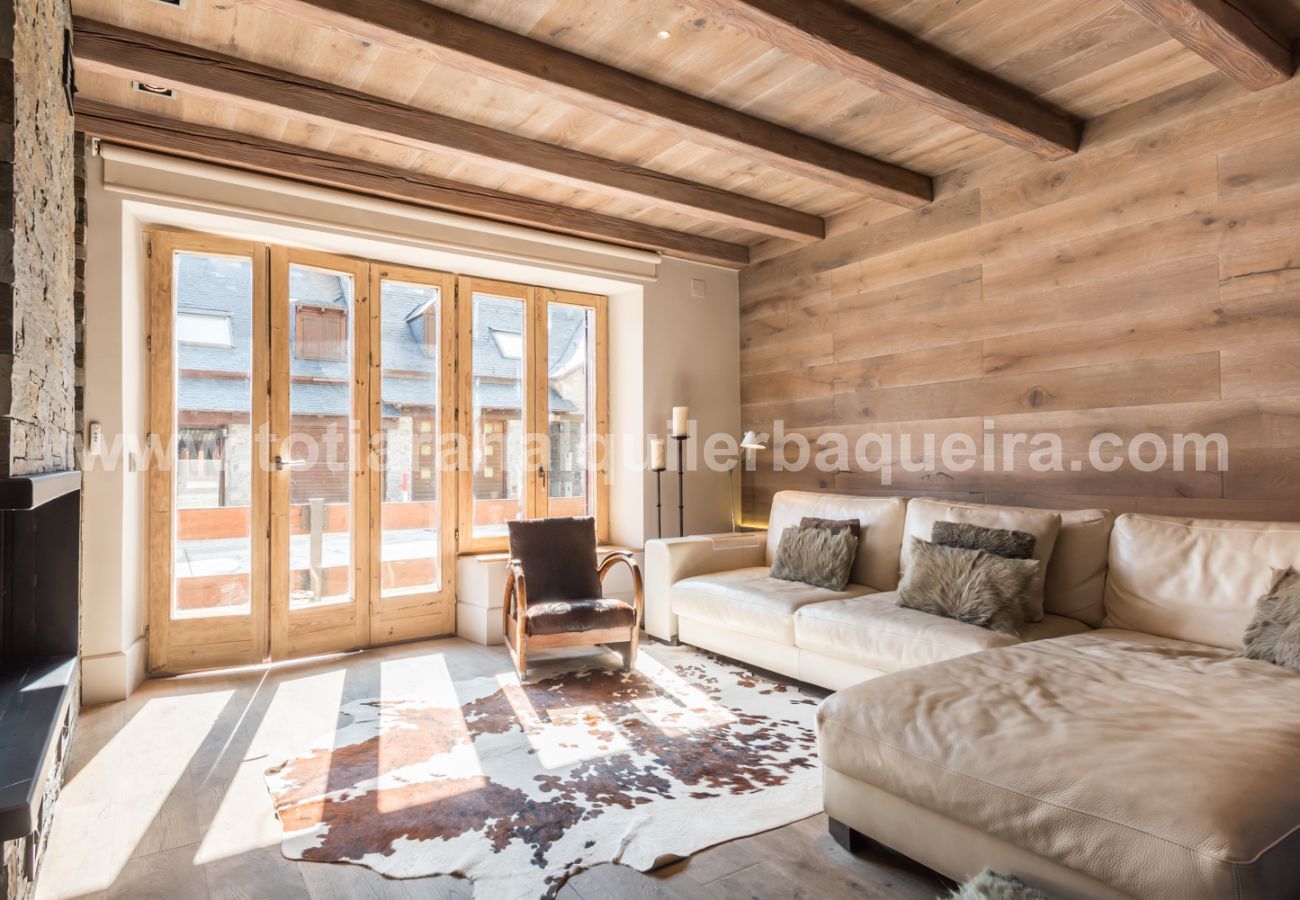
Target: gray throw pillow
x,y
816,556
1273,634
971,586
998,541
852,525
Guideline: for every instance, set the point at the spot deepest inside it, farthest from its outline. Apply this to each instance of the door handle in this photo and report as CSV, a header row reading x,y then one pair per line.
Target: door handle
x,y
281,464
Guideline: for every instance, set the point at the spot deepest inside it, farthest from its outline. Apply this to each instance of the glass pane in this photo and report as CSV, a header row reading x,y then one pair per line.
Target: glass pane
x,y
498,403
411,322
571,374
318,451
212,477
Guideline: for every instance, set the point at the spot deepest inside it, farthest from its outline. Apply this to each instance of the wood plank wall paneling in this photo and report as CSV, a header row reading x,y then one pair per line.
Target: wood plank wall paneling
x,y
1149,284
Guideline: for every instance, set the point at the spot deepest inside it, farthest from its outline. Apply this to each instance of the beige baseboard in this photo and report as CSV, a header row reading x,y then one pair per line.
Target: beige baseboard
x,y
113,676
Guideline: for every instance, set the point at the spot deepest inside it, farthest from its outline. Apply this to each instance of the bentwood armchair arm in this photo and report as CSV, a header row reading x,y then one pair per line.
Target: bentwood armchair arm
x,y
638,585
516,598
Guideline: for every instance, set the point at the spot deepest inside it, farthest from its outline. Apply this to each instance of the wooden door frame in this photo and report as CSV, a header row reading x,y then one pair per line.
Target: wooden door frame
x,y
466,287
600,400
272,630
536,393
414,616
177,645
338,626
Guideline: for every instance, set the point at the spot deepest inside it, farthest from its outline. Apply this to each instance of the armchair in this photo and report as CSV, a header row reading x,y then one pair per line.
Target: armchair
x,y
554,595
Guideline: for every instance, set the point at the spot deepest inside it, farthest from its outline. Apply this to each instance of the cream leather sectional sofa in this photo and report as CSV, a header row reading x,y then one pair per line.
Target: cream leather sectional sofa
x,y
715,592
1119,750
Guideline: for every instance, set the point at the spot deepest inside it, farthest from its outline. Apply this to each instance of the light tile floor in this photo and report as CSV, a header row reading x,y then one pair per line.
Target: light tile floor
x,y
165,799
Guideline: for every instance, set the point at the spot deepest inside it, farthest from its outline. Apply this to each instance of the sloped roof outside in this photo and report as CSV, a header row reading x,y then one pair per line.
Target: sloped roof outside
x,y
223,285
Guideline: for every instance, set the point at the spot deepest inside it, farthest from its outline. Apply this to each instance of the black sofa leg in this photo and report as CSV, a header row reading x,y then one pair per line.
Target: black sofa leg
x,y
846,837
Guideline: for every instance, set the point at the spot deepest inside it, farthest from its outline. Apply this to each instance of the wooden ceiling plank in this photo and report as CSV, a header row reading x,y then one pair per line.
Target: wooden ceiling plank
x,y
192,140
419,28
1226,35
104,47
886,59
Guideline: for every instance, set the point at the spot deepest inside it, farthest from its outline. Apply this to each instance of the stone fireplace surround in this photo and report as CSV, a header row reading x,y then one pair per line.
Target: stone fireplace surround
x,y
42,230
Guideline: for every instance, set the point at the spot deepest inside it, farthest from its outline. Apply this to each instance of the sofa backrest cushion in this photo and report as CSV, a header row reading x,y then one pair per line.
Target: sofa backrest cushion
x,y
1045,525
1194,579
1076,573
881,518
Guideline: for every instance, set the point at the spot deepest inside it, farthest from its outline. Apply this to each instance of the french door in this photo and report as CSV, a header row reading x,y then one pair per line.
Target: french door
x,y
299,403
413,492
534,397
209,495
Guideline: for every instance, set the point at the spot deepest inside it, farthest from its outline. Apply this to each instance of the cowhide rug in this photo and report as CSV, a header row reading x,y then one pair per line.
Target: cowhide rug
x,y
518,787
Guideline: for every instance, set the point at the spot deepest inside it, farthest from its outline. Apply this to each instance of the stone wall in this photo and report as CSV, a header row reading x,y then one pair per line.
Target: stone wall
x,y
37,246
79,288
42,238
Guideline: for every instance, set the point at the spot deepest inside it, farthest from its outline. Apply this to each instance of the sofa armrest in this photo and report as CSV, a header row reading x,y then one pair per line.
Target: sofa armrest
x,y
669,560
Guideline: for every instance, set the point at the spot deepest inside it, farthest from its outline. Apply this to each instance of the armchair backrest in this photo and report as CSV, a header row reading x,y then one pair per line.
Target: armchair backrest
x,y
558,557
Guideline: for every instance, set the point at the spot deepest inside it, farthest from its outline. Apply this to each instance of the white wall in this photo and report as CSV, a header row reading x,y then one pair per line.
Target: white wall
x,y
115,515
692,359
667,347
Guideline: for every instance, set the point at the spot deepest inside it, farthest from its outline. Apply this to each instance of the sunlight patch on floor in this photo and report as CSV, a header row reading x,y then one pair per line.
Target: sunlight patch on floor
x,y
139,778
694,709
244,819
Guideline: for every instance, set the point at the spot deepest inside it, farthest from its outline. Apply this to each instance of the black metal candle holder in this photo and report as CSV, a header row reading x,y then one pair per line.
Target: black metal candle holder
x,y
681,440
659,500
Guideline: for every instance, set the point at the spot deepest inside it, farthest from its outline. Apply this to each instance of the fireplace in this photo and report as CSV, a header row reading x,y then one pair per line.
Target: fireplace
x,y
40,558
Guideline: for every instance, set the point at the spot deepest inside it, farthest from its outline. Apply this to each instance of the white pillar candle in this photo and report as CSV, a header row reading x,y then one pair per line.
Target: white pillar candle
x,y
658,453
679,421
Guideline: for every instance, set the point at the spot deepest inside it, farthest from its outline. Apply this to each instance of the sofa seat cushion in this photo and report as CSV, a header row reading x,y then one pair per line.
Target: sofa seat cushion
x,y
874,632
751,601
1164,768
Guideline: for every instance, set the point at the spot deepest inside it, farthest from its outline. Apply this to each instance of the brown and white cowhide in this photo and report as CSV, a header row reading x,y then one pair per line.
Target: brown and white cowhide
x,y
518,787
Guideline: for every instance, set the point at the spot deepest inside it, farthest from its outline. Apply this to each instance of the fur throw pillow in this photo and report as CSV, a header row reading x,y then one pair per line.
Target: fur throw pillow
x,y
998,541
816,556
970,586
852,525
1273,634
989,885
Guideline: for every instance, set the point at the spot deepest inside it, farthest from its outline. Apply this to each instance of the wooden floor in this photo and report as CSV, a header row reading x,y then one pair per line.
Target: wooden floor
x,y
165,799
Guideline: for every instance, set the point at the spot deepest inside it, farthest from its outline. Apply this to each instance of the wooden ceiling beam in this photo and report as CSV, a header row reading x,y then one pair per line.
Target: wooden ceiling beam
x,y
843,39
215,145
421,29
1225,34
132,54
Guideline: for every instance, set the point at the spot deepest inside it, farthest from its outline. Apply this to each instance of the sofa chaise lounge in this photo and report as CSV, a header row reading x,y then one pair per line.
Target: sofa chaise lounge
x,y
1120,749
